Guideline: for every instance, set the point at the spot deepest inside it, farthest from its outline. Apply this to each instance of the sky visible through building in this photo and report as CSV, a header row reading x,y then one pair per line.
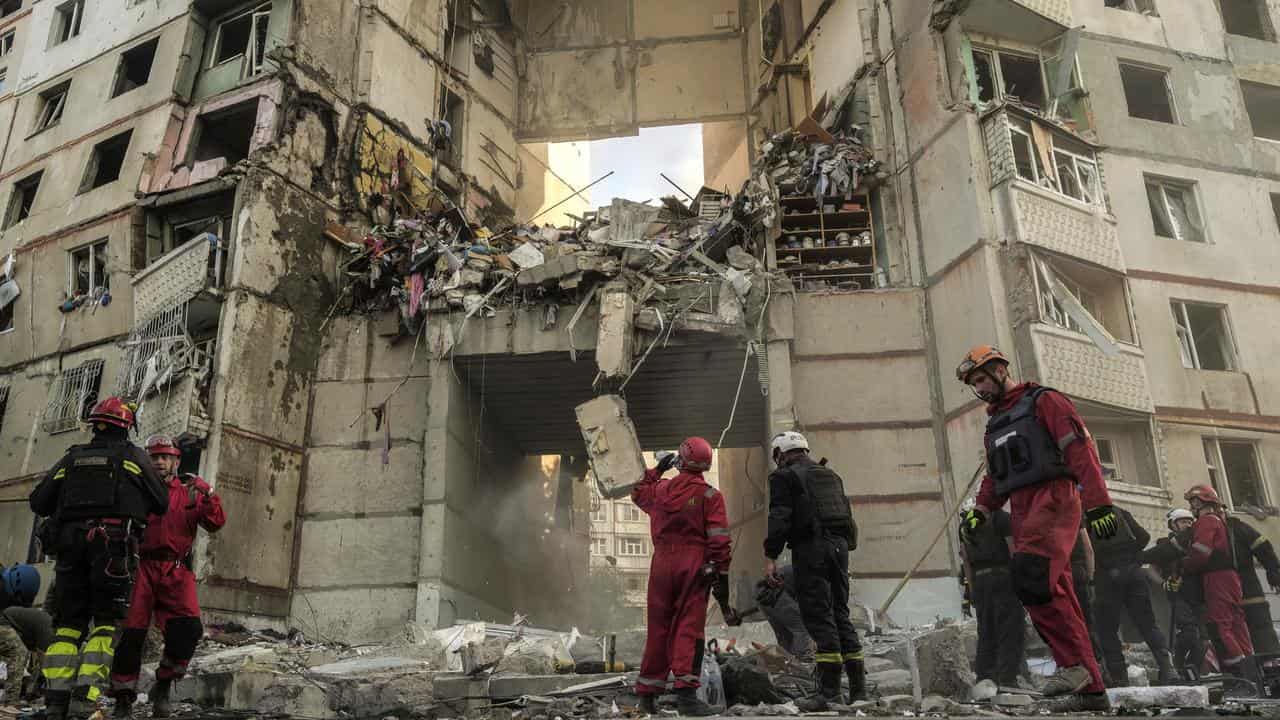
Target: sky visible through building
x,y
638,160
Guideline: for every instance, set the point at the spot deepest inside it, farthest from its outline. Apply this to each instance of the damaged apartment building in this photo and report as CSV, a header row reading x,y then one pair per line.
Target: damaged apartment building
x,y
204,202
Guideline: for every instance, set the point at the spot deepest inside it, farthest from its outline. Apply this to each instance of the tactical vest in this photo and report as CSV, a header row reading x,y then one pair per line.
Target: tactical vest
x,y
1020,450
828,506
101,481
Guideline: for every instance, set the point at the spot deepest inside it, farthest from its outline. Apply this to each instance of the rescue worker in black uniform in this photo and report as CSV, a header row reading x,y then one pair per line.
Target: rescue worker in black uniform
x,y
99,495
1251,545
1002,627
1121,586
809,511
1186,597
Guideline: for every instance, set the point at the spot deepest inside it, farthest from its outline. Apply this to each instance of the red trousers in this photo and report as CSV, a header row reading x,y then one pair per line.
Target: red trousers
x,y
1046,522
677,618
1223,608
165,588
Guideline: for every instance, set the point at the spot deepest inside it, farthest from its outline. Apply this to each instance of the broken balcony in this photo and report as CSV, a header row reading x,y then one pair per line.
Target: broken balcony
x,y
1048,184
168,357
1082,335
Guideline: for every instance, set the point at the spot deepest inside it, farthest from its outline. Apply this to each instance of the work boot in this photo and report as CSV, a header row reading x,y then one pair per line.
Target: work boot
x,y
688,704
56,711
1078,702
827,692
124,707
856,670
649,704
81,709
1166,674
161,706
1067,680
1118,676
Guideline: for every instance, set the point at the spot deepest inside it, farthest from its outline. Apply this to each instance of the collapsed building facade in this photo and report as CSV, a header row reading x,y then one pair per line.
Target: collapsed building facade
x,y
197,193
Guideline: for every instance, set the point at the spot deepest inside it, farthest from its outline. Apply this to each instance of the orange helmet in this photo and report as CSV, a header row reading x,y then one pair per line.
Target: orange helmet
x,y
114,411
695,455
978,356
1203,493
162,445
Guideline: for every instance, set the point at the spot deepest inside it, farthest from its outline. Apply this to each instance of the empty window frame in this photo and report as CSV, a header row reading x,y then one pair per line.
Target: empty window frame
x,y
4,76
243,36
9,7
1275,208
67,18
1204,336
1175,212
630,546
1262,102
453,110
4,403
225,133
1075,171
74,394
7,312
6,42
1102,295
1004,75
1146,7
134,69
88,269
1234,471
52,104
1147,92
22,199
1249,18
106,161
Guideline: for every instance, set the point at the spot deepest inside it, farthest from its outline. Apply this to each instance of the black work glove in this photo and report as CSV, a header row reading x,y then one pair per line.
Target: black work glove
x,y
666,463
970,522
720,591
732,617
1273,579
1102,521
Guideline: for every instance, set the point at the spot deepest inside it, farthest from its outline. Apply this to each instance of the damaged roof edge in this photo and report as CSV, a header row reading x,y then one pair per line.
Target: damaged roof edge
x,y
998,18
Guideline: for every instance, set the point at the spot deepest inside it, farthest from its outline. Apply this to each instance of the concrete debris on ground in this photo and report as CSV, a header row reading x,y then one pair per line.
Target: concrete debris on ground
x,y
1182,696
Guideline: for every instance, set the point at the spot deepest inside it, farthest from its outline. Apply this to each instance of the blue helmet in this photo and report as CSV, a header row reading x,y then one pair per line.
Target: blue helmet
x,y
22,582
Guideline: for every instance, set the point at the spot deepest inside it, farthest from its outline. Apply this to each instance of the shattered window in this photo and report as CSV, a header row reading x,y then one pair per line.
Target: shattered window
x,y
6,43
1203,338
1240,462
9,7
6,312
73,395
1075,167
1001,75
1275,208
1057,314
23,198
1107,457
66,21
1249,18
244,36
52,103
1077,172
1146,7
1024,156
984,75
1174,212
1146,90
89,269
1262,102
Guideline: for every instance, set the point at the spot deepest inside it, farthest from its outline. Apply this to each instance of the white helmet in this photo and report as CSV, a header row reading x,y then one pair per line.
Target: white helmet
x,y
785,442
968,504
1178,514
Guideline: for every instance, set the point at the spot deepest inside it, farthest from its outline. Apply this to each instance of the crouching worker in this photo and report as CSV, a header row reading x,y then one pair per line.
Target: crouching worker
x,y
691,553
166,585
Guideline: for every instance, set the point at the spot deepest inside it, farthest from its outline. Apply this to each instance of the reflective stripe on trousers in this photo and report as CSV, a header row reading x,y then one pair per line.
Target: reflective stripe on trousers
x,y
61,660
95,662
835,658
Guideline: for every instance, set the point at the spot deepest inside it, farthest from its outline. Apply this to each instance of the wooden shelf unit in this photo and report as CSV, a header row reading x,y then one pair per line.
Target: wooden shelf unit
x,y
807,218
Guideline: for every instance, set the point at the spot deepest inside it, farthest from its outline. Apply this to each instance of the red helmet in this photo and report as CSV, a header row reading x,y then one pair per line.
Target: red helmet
x,y
114,411
695,455
162,445
1203,493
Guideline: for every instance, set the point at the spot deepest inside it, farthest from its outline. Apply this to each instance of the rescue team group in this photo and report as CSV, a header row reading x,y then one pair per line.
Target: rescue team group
x,y
1059,536
120,522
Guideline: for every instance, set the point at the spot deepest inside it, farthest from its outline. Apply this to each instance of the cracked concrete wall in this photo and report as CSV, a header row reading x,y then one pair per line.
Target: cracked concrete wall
x,y
640,63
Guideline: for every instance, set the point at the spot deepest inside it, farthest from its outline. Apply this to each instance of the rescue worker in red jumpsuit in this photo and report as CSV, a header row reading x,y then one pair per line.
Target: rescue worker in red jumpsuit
x,y
1038,449
166,585
691,553
1210,557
